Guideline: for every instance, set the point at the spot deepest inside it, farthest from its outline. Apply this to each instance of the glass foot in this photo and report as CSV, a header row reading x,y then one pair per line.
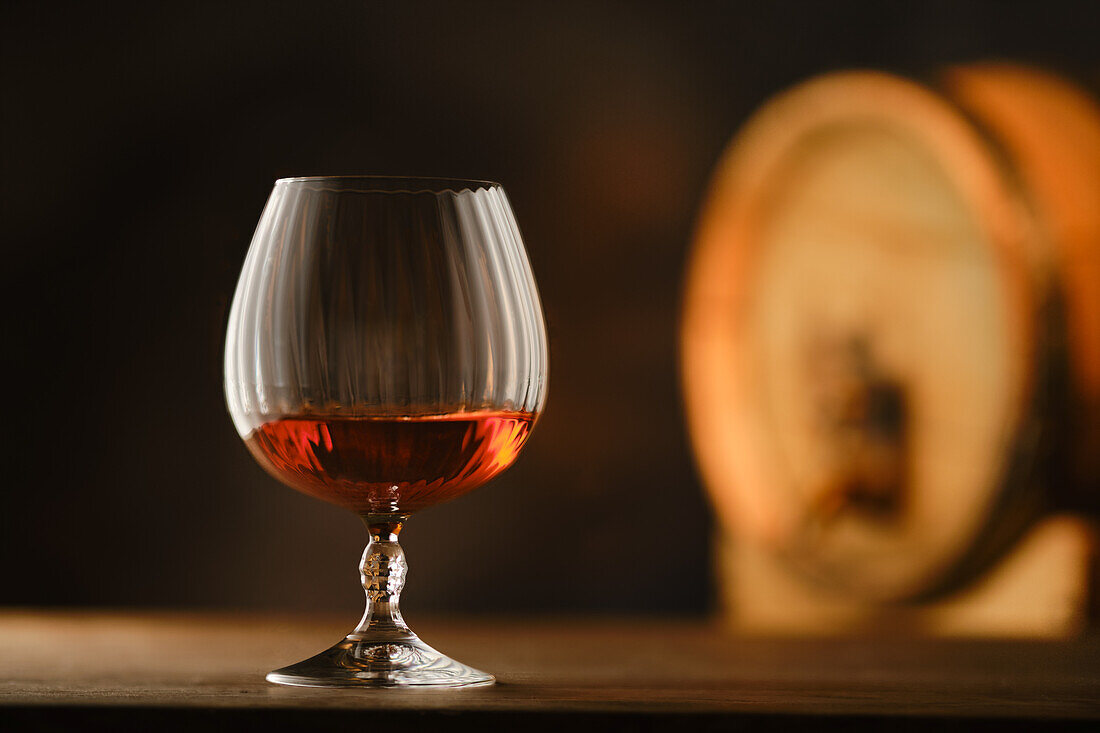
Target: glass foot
x,y
355,662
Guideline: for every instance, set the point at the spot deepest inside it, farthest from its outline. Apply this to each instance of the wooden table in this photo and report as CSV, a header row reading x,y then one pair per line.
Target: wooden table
x,y
187,671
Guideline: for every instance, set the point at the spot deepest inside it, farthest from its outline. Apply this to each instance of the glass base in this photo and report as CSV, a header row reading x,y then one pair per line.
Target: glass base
x,y
355,662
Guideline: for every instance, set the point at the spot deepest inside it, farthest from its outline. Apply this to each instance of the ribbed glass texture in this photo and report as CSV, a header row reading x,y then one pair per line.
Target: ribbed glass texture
x,y
384,297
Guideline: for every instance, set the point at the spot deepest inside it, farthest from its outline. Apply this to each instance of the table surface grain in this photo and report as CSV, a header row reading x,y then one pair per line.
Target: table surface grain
x,y
132,670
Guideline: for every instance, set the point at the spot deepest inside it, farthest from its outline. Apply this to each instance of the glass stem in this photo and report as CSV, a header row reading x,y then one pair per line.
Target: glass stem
x,y
383,572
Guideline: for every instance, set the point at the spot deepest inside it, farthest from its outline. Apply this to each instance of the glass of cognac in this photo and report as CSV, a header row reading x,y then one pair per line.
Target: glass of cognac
x,y
386,352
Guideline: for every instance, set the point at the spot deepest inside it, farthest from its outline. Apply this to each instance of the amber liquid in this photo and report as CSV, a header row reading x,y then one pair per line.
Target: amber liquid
x,y
375,465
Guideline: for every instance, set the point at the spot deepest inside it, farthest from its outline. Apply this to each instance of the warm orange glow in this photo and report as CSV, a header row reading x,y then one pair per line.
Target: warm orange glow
x,y
388,464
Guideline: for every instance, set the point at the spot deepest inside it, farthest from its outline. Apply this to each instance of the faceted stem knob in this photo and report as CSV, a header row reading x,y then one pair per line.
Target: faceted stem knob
x,y
383,573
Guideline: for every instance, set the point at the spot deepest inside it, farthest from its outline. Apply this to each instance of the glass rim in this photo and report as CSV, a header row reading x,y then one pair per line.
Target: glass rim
x,y
391,184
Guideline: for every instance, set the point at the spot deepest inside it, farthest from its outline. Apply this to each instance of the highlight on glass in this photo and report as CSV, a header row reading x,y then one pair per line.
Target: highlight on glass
x,y
386,352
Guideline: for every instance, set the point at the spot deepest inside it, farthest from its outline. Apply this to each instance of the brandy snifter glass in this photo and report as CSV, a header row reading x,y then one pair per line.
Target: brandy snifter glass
x,y
386,352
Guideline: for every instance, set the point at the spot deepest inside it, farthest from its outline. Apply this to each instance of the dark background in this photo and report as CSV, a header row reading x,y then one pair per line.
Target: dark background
x,y
139,144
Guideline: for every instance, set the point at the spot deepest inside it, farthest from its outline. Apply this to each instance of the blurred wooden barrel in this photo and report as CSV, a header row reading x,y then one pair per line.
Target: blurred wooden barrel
x,y
891,336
